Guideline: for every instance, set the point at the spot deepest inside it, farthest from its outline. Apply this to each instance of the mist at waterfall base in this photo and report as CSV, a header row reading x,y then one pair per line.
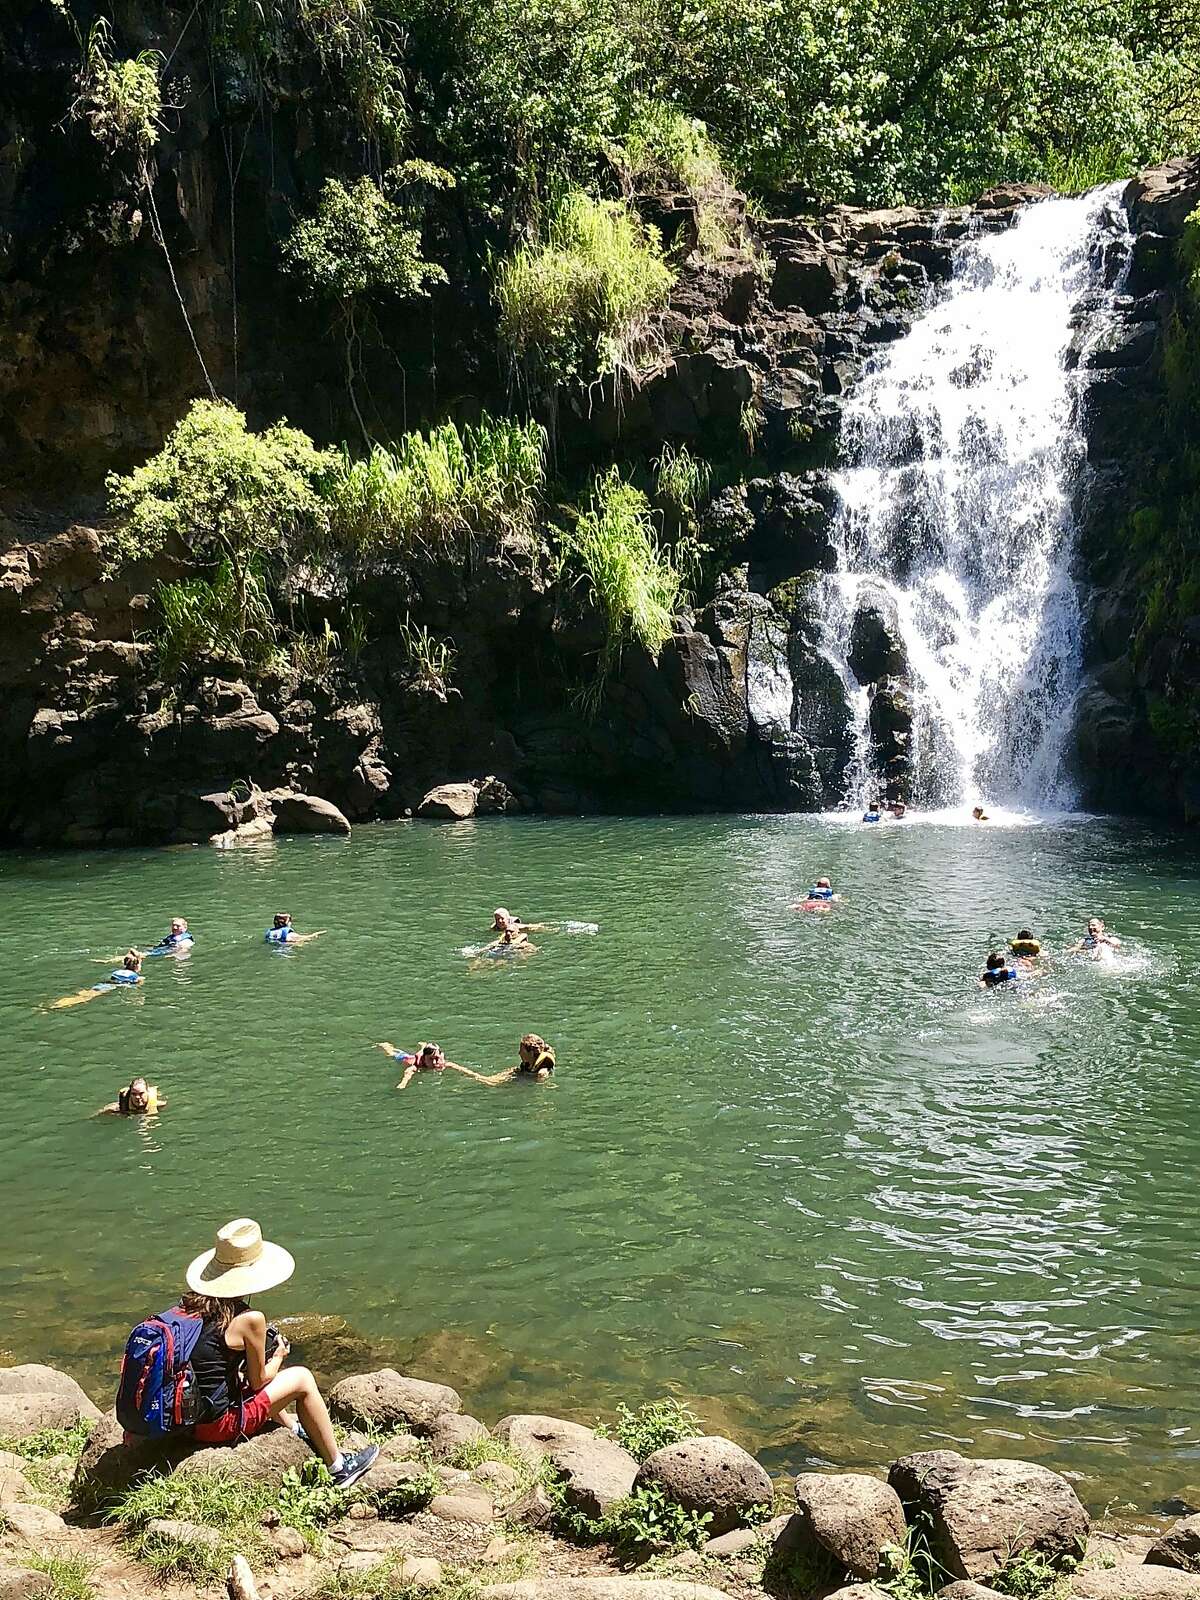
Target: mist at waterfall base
x,y
799,1170
961,445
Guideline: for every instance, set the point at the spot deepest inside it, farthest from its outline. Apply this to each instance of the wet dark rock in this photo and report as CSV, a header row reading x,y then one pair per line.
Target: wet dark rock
x,y
308,813
808,277
876,648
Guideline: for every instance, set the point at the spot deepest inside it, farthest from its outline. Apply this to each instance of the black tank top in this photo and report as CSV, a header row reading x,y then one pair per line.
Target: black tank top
x,y
218,1373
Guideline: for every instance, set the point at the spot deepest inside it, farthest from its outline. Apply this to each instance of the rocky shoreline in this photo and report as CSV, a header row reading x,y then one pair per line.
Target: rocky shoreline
x,y
537,1508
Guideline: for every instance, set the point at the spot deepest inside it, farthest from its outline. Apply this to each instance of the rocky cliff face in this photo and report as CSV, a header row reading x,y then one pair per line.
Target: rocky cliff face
x,y
741,711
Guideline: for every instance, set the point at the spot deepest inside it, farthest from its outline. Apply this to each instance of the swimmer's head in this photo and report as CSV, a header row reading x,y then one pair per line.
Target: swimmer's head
x,y
429,1054
1095,925
824,883
138,1095
898,808
501,918
178,925
282,919
977,813
994,961
532,1045
1025,933
132,961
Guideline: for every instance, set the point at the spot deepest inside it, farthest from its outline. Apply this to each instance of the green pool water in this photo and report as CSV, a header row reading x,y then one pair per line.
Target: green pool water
x,y
798,1170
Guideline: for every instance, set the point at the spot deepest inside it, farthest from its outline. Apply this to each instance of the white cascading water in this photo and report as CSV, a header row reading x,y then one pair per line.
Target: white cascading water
x,y
962,446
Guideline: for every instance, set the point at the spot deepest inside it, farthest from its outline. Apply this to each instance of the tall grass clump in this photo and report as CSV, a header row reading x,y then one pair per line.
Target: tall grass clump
x,y
633,580
203,617
432,491
580,303
682,480
234,1508
665,149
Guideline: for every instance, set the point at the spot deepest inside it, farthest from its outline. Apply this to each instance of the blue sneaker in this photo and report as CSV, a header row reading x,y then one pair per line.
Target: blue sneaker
x,y
355,1465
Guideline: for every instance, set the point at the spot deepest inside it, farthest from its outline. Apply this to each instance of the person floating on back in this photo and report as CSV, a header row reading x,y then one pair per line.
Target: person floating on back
x,y
176,943
127,976
535,1063
141,1099
281,931
514,941
240,1386
426,1058
998,971
819,898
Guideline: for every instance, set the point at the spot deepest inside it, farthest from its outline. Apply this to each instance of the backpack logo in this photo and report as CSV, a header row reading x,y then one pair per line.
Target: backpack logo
x,y
157,1393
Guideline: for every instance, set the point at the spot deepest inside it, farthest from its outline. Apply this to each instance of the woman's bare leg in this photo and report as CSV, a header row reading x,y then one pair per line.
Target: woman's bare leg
x,y
298,1384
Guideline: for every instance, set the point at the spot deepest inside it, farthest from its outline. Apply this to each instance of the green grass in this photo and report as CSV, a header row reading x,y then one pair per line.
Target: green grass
x,y
682,480
614,549
579,303
430,660
70,1576
1029,1575
474,1452
433,492
47,1442
235,1508
665,149
1076,171
202,617
652,1427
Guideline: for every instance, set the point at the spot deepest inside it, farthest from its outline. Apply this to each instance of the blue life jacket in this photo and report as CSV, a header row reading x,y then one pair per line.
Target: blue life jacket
x,y
173,941
872,816
820,894
123,975
1001,975
280,935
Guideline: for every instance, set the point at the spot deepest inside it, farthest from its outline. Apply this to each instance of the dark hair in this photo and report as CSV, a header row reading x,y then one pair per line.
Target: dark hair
x,y
995,960
222,1312
1025,933
281,917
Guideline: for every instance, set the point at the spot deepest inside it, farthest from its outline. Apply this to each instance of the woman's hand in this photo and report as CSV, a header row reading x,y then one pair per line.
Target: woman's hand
x,y
282,1350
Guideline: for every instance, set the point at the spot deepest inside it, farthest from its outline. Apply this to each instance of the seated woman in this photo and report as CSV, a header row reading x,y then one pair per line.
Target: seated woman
x,y
127,975
426,1058
281,931
535,1063
141,1099
243,1388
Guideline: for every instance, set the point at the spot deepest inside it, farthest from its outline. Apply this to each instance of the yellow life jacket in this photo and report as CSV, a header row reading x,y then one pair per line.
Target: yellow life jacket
x,y
1025,947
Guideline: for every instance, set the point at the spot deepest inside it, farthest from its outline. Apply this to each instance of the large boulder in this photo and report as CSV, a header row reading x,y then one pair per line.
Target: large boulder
x,y
1178,1547
108,1467
449,802
531,1435
33,1397
330,1346
709,1474
851,1516
981,1513
451,1430
876,648
308,813
1162,198
22,1583
1135,1583
595,1472
264,1459
388,1399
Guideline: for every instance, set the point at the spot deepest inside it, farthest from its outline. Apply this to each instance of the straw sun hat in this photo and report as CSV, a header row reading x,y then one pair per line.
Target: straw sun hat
x,y
242,1263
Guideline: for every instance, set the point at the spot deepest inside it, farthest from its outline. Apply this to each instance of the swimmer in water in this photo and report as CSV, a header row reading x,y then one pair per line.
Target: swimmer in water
x,y
898,809
503,921
281,931
1025,948
980,815
997,971
176,943
535,1063
874,812
127,975
820,897
512,942
426,1058
1097,941
141,1099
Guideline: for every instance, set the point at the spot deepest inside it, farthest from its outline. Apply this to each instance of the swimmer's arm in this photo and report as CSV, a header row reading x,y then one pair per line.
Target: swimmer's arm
x,y
534,927
479,1077
111,1110
306,938
410,1073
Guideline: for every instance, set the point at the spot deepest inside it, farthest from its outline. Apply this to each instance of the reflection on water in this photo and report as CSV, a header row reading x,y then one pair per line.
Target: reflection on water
x,y
797,1169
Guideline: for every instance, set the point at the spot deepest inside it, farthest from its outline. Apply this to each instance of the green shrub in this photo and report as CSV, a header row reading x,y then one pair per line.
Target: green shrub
x,y
654,1426
580,303
648,1522
223,493
1029,1575
434,491
617,555
234,1507
682,480
409,1495
47,1442
359,242
120,100
203,617
666,149
309,1499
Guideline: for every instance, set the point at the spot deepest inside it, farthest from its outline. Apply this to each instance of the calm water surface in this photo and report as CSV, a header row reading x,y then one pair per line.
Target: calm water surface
x,y
799,1170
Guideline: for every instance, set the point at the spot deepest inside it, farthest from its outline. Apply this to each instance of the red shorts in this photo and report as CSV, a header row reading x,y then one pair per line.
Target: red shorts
x,y
253,1416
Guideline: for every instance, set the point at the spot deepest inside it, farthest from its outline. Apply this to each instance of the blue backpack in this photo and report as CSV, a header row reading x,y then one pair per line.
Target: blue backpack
x,y
157,1393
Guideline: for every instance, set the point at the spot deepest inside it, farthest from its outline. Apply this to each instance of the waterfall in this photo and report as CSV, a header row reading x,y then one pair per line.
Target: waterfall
x,y
962,443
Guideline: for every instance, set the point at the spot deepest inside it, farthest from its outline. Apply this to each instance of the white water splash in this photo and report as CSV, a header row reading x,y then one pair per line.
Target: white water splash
x,y
963,446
